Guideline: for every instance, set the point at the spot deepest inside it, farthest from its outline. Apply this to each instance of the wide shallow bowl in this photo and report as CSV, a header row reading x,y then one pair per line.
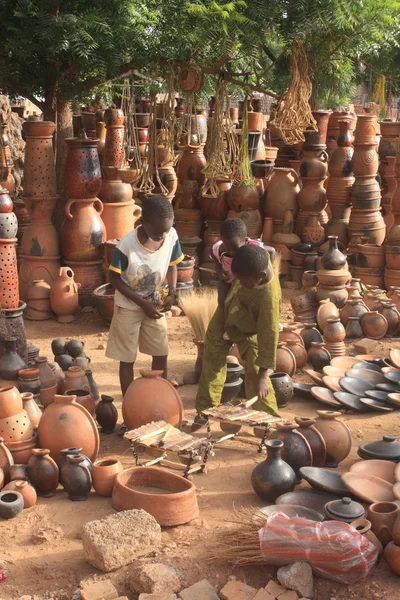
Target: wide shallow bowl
x,y
393,399
389,388
302,389
171,499
384,469
325,480
369,357
315,376
332,383
376,405
307,498
325,396
363,364
291,510
393,376
344,362
368,488
338,371
350,401
377,395
358,387
373,377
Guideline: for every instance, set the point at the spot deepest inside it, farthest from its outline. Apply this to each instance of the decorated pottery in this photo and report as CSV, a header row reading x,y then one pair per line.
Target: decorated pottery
x,y
43,472
273,476
104,473
283,387
296,451
76,478
336,435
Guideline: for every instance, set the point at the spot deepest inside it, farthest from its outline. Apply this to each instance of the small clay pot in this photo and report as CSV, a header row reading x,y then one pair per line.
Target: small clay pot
x,y
334,331
285,359
382,516
353,328
283,387
318,356
104,473
11,504
310,334
25,489
43,472
65,361
76,478
392,557
75,348
58,346
333,259
106,414
309,279
326,310
75,379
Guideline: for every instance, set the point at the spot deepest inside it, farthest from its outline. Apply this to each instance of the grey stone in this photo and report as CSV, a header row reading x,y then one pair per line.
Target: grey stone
x,y
297,577
119,539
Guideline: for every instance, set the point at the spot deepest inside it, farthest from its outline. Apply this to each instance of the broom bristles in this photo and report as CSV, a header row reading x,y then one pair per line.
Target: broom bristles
x,y
199,307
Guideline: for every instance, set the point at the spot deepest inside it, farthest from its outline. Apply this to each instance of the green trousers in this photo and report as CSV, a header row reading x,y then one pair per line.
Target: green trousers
x,y
213,374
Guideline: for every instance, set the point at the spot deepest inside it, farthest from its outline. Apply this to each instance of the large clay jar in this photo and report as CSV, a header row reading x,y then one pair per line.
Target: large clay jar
x,y
83,232
191,164
326,310
43,472
76,478
106,414
354,307
392,557
251,218
310,334
64,424
299,352
82,178
312,196
296,450
11,362
119,218
64,299
318,356
38,301
273,476
281,193
283,387
6,459
104,473
340,160
314,438
382,516
40,237
392,316
32,409
75,379
113,189
285,359
216,209
336,434
333,258
46,375
314,163
150,398
243,197
334,331
39,168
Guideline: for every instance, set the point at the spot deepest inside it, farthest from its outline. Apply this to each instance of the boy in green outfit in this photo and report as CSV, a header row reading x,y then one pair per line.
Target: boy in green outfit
x,y
250,319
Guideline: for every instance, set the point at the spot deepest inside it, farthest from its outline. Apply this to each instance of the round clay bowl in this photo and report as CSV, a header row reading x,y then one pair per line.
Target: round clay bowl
x,y
377,395
350,401
368,488
306,498
368,357
393,399
389,388
343,362
384,469
302,389
315,376
393,376
332,383
362,364
325,396
358,387
170,498
376,405
374,325
333,278
367,375
334,371
291,510
394,355
325,480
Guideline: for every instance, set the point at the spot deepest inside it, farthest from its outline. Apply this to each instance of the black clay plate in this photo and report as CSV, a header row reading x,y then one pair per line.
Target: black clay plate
x,y
373,377
358,387
363,364
302,389
387,387
393,376
350,401
325,480
377,395
375,405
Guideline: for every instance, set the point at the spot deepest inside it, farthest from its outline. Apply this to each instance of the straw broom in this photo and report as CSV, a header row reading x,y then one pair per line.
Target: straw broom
x,y
199,308
240,545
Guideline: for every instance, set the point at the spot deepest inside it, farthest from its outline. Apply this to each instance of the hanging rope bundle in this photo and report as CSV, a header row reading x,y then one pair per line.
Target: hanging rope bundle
x,y
188,132
167,136
224,147
294,112
131,140
243,174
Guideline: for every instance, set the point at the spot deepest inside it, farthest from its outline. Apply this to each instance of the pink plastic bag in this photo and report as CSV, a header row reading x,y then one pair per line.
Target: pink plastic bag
x,y
333,549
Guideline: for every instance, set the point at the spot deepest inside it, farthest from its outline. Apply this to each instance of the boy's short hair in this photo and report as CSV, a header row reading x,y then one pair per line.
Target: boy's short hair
x,y
250,261
157,208
232,228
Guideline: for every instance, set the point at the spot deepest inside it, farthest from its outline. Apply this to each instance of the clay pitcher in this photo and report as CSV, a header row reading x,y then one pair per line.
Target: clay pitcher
x,y
64,295
281,193
83,232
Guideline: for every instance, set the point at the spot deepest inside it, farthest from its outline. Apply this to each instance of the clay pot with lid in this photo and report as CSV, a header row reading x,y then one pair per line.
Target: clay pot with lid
x,y
318,356
382,516
64,299
82,178
104,473
76,478
273,477
281,193
296,449
43,472
83,232
336,434
388,448
285,359
345,510
314,438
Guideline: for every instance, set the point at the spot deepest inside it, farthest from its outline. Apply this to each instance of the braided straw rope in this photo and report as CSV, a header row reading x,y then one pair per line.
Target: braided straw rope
x,y
294,112
131,140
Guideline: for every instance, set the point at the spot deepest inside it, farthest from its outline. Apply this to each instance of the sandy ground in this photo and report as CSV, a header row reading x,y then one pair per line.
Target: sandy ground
x,y
42,548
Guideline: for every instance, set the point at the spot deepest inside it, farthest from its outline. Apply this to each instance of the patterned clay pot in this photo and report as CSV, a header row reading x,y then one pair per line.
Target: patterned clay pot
x,y
283,387
82,178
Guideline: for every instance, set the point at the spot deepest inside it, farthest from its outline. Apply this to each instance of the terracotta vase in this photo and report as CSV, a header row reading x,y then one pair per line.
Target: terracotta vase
x,y
336,434
43,472
142,401
32,409
392,557
83,232
191,164
334,331
64,300
273,477
313,163
6,459
216,209
252,220
120,218
382,516
28,381
113,189
353,328
76,478
333,258
340,160
74,451
299,352
310,334
36,267
281,193
363,526
326,310
6,204
296,450
39,301
318,356
392,316
11,362
104,473
313,232
365,160
312,196
106,414
314,438
39,166
285,359
113,153
9,298
82,177
46,375
64,424
243,197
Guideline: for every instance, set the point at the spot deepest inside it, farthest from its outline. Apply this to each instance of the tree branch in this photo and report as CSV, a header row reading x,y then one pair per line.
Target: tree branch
x,y
12,89
268,52
319,65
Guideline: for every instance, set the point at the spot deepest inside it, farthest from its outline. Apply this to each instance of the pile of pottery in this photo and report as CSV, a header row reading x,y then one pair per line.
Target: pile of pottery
x,y
391,276
390,133
284,242
335,129
40,249
370,264
334,274
19,415
9,294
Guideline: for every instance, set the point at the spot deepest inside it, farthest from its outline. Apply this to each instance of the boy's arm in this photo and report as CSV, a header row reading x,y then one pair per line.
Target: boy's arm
x,y
177,257
271,251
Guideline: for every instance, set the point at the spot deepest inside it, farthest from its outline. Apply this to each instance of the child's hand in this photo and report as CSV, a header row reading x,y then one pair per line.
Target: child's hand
x,y
169,302
224,275
263,387
150,309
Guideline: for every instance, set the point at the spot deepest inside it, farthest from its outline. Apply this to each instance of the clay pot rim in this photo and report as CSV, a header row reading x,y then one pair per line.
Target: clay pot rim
x,y
384,505
126,474
32,371
101,463
329,414
41,451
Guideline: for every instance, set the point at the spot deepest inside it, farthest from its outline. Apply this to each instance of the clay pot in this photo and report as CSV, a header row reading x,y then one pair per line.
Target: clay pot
x,y
113,189
314,438
287,237
40,237
370,256
18,472
382,516
368,223
365,160
336,434
252,220
285,359
216,209
340,160
64,361
43,472
313,163
6,459
333,278
92,384
25,489
119,218
38,301
344,510
11,504
296,450
9,297
366,130
309,279
64,295
83,232
374,325
20,451
36,267
170,498
31,408
84,398
142,401
6,204
273,477
104,301
28,381
39,167
46,395
312,196
10,363
104,473
353,308
334,330
241,197
74,451
318,356
313,232
46,375
363,526
75,379
82,177
76,478
191,164
392,316
283,387
299,352
353,328
326,310
310,334
392,257
288,333
392,557
281,193
333,259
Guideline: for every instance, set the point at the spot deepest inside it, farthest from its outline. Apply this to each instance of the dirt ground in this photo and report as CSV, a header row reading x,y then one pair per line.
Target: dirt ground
x,y
42,548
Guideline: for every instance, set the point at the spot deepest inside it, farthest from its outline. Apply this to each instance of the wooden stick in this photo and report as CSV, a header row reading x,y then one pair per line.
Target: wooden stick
x,y
208,270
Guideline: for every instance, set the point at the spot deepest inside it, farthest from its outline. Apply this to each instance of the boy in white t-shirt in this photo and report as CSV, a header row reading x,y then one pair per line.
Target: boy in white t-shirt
x,y
141,262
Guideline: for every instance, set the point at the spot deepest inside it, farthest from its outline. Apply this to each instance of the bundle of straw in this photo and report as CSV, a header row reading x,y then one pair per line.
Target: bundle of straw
x,y
240,546
199,308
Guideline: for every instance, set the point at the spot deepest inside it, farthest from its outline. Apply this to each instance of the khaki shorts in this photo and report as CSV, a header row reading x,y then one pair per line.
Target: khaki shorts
x,y
131,330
